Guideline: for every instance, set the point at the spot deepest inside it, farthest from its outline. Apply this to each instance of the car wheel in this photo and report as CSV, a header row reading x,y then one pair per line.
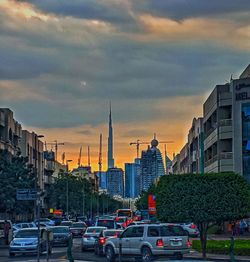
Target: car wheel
x,y
110,254
11,254
146,254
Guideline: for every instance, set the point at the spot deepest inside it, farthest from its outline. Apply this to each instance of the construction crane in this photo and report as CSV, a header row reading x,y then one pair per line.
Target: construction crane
x,y
138,143
88,155
55,143
80,157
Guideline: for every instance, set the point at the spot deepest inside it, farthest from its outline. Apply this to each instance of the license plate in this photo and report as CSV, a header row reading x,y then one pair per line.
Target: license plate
x,y
176,243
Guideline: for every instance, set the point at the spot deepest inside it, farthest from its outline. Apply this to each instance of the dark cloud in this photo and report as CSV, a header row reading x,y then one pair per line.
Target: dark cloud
x,y
181,9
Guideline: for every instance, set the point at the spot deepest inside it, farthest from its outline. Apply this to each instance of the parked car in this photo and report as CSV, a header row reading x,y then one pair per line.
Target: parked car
x,y
45,222
149,241
26,241
89,237
104,235
77,229
109,223
61,235
191,229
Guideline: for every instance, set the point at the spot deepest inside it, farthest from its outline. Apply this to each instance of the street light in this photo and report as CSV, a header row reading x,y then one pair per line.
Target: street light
x,y
38,202
67,186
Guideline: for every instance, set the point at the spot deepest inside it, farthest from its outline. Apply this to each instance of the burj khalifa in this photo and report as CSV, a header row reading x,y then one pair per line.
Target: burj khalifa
x,y
110,142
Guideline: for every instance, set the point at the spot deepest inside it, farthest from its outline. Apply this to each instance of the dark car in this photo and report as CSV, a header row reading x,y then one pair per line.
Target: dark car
x,y
109,223
61,235
57,220
78,229
66,223
105,234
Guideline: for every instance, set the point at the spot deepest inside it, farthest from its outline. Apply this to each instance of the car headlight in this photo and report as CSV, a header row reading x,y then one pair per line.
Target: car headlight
x,y
35,242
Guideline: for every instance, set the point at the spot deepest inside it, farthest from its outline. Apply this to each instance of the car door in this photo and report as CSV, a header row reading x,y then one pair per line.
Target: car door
x,y
136,240
125,240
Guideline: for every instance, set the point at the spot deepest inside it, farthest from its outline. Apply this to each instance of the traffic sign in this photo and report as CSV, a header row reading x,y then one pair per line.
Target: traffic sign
x,y
26,194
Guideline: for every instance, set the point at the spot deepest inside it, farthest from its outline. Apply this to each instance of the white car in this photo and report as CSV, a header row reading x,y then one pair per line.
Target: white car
x,y
191,229
147,242
90,236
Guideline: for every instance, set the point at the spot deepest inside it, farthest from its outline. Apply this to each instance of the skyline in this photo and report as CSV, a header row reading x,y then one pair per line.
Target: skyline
x,y
157,61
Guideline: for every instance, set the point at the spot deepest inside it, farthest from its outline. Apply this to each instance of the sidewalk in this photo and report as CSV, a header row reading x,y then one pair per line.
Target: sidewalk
x,y
214,257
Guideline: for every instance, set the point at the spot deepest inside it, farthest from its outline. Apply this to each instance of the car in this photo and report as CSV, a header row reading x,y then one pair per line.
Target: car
x,y
26,241
191,229
104,235
149,241
61,235
89,237
57,220
45,221
77,229
67,223
109,223
120,220
25,225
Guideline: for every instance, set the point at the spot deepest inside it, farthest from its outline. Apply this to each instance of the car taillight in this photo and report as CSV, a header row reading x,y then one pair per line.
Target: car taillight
x,y
102,240
117,218
188,244
159,243
192,226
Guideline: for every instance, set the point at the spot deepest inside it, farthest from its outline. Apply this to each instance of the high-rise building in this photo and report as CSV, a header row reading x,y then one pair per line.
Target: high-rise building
x,y
102,178
132,179
110,142
151,165
115,182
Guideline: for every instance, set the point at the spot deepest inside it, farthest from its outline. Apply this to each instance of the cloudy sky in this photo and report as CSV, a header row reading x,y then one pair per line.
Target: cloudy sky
x,y
62,61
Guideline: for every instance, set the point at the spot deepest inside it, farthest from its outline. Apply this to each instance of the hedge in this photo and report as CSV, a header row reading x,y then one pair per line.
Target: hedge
x,y
241,247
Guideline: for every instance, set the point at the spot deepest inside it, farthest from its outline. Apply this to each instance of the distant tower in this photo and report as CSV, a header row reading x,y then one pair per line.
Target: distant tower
x,y
110,142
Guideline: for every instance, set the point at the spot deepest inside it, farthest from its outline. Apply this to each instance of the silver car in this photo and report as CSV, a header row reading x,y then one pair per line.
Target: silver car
x,y
149,241
90,236
26,241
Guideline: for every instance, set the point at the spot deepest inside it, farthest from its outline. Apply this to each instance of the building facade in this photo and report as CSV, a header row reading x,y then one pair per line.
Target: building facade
x,y
132,179
10,131
32,148
115,182
151,166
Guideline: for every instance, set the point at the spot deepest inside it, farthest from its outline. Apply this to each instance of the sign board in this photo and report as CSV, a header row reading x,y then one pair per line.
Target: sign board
x,y
151,204
26,194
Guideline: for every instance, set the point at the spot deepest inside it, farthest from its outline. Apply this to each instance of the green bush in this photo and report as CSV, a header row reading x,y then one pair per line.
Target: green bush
x,y
241,247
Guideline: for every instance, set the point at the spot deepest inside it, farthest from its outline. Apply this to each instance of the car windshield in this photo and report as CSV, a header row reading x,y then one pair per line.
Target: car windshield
x,y
106,223
94,230
27,234
60,229
111,233
120,219
80,225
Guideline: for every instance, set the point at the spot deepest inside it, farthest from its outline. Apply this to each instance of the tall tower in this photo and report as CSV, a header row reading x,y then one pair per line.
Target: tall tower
x,y
110,142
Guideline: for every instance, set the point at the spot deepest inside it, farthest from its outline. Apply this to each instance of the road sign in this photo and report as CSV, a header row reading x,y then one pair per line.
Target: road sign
x,y
26,194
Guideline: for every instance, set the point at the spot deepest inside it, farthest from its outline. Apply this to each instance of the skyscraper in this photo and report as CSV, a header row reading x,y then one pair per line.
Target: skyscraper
x,y
110,142
151,165
115,182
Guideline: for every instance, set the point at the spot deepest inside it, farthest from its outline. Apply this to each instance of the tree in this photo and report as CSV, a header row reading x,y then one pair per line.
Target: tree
x,y
202,199
15,174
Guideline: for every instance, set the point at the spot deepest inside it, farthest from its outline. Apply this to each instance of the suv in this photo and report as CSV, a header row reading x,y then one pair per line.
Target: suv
x,y
149,241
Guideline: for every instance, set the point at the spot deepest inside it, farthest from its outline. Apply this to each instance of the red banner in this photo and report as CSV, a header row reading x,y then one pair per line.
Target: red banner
x,y
151,204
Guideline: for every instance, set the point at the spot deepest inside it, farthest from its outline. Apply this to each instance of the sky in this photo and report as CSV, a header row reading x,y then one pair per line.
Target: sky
x,y
62,61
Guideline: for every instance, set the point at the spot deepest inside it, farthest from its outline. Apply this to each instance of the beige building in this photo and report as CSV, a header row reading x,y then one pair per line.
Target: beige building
x,y
10,131
32,148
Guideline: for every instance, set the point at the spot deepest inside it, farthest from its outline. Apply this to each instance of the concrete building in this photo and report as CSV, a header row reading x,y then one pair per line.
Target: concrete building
x,y
176,164
184,160
115,182
218,130
32,148
196,147
151,166
10,131
132,179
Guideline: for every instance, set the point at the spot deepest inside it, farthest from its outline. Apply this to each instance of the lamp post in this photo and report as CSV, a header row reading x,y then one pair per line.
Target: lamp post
x,y
38,201
67,186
